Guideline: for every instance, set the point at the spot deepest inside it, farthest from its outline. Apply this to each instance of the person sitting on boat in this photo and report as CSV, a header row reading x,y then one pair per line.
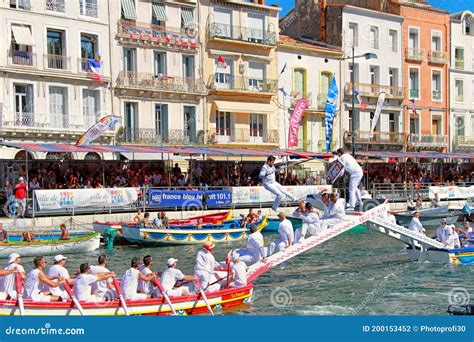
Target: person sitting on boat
x,y
28,236
415,224
419,203
156,223
255,250
3,234
84,281
198,223
5,273
335,213
145,222
435,202
285,229
130,280
453,239
267,175
165,220
238,276
323,198
138,216
205,266
145,286
36,279
410,205
251,217
172,275
8,283
259,215
64,232
352,167
311,224
300,210
59,270
442,232
467,228
103,288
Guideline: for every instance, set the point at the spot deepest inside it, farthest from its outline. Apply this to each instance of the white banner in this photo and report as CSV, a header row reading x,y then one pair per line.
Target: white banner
x,y
80,198
451,192
378,109
258,194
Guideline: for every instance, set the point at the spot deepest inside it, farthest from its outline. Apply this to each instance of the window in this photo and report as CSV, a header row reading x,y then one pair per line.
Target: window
x,y
256,76
414,84
392,127
374,37
158,14
299,81
223,123
20,4
374,75
56,5
159,63
435,42
436,85
129,60
224,75
188,66
459,58
459,126
88,8
472,92
354,71
58,107
222,26
161,122
56,50
353,34
414,125
436,127
326,78
392,40
257,123
353,124
189,116
131,122
187,18
89,49
24,106
459,90
128,10
90,106
22,45
255,27
413,38
393,77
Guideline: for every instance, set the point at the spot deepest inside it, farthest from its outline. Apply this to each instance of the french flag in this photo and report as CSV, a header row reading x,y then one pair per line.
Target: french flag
x,y
412,106
363,104
177,40
158,36
130,32
149,34
184,40
193,41
168,38
221,62
94,66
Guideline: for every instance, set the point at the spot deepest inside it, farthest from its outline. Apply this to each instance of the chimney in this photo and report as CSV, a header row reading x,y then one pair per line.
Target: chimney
x,y
323,29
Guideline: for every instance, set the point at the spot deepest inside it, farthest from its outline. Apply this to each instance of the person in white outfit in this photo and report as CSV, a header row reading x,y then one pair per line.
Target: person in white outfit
x,y
238,272
169,278
8,283
255,250
355,172
286,238
84,281
442,232
311,224
130,280
36,278
205,266
145,286
267,175
103,288
415,224
335,212
59,270
453,239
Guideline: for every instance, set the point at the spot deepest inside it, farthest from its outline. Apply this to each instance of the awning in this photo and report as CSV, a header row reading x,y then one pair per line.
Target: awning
x,y
187,17
128,10
424,155
159,11
244,107
22,35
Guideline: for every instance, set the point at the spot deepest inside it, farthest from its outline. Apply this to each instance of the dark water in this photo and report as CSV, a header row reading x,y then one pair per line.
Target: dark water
x,y
356,273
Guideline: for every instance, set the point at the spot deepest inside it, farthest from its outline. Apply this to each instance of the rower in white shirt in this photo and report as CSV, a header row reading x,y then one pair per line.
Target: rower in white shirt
x,y
267,175
415,224
352,167
130,280
255,250
286,238
311,224
147,287
205,266
170,276
104,288
84,281
335,213
36,278
238,272
8,282
59,270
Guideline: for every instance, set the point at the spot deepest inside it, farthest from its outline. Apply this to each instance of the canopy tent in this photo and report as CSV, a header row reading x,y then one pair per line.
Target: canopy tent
x,y
420,155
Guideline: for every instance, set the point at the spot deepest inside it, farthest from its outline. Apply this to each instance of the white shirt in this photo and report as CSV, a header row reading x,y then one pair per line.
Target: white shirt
x,y
442,233
169,277
453,241
144,286
350,164
297,213
310,217
285,229
239,270
32,284
336,210
255,244
83,286
100,287
267,173
58,271
416,226
129,283
8,283
205,262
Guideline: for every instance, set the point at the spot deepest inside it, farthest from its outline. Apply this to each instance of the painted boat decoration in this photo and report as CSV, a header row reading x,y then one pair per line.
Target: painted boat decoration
x,y
227,231
429,217
80,244
15,235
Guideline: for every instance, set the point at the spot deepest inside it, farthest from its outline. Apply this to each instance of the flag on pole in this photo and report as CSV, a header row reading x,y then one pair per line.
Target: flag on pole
x,y
158,36
363,104
283,91
221,62
94,66
331,107
378,109
295,120
412,106
96,130
193,41
283,69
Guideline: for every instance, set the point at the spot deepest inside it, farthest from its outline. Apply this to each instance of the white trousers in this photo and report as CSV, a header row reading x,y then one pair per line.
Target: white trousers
x,y
249,257
354,192
280,192
328,223
277,246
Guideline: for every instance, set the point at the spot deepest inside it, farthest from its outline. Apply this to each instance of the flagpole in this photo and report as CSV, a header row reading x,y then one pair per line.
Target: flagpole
x,y
353,101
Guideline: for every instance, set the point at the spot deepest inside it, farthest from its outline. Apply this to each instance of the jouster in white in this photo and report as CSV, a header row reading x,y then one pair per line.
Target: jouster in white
x,y
172,275
286,237
130,279
267,175
355,172
8,282
335,213
35,279
103,288
415,224
84,281
442,233
255,250
311,223
239,272
58,270
453,239
205,266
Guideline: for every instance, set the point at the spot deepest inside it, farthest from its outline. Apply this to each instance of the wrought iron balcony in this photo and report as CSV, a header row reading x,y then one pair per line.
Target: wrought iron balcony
x,y
150,136
415,54
438,57
21,4
463,141
23,58
243,136
242,34
163,83
427,140
322,145
373,90
437,95
44,122
57,62
56,5
223,81
385,138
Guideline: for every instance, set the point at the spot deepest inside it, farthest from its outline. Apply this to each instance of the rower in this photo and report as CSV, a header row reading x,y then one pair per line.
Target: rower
x,y
335,212
103,288
64,232
205,266
355,172
172,275
138,216
145,286
28,236
3,234
145,222
267,175
58,270
415,224
285,229
36,277
298,213
255,250
8,285
238,272
84,281
130,280
311,224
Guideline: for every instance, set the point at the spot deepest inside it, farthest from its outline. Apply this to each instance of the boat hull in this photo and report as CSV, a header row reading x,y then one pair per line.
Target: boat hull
x,y
463,256
428,218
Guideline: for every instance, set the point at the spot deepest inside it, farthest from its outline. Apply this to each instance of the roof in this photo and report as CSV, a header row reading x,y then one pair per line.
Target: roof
x,y
290,42
460,15
421,6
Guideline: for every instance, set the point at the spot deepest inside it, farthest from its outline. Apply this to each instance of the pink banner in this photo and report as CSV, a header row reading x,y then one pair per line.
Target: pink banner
x,y
295,120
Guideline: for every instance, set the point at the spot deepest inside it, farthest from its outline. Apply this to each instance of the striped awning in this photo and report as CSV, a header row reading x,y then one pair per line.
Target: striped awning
x,y
22,35
159,11
187,17
128,10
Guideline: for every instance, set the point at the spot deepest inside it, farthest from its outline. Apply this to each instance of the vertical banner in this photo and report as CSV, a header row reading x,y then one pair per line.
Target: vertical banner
x,y
378,109
331,106
96,130
295,120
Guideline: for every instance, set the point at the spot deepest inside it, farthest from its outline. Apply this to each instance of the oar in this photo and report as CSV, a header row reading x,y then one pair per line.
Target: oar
x,y
157,283
19,293
204,297
74,299
121,298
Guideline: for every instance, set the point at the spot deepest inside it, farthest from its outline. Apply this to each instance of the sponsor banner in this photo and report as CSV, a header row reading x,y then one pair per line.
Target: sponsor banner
x,y
295,120
188,198
451,192
258,194
80,198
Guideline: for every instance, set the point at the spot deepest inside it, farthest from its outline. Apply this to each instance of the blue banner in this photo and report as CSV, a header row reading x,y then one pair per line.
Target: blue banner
x,y
331,107
189,198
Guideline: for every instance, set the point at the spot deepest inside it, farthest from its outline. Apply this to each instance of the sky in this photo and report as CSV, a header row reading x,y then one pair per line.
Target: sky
x,y
448,5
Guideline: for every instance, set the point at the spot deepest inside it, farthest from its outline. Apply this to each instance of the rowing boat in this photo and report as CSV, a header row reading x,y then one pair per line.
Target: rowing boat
x,y
457,256
227,231
429,217
51,247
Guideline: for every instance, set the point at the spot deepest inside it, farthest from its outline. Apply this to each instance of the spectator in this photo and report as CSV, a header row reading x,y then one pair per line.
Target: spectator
x,y
20,196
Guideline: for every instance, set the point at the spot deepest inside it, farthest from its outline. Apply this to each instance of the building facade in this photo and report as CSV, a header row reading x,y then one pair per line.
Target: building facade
x,y
47,93
461,86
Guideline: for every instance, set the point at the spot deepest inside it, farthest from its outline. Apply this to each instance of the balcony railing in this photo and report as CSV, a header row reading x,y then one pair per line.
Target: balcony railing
x,y
24,58
240,33
88,9
437,95
47,122
56,5
427,140
243,136
365,137
165,83
438,57
21,4
223,81
459,64
373,90
57,62
151,136
463,141
415,54
414,93
148,34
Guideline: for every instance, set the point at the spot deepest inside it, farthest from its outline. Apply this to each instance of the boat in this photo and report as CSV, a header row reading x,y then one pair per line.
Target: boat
x,y
274,223
429,217
79,244
16,235
457,256
227,231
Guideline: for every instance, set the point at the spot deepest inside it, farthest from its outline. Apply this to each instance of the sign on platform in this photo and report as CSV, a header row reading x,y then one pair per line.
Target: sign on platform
x,y
451,192
258,194
189,198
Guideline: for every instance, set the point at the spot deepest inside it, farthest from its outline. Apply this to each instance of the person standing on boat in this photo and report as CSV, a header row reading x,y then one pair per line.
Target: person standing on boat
x,y
205,266
58,270
35,279
453,239
435,202
255,250
335,213
355,172
8,283
410,204
84,281
442,233
170,276
64,232
267,175
138,216
311,224
103,288
130,280
285,229
415,224
156,223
